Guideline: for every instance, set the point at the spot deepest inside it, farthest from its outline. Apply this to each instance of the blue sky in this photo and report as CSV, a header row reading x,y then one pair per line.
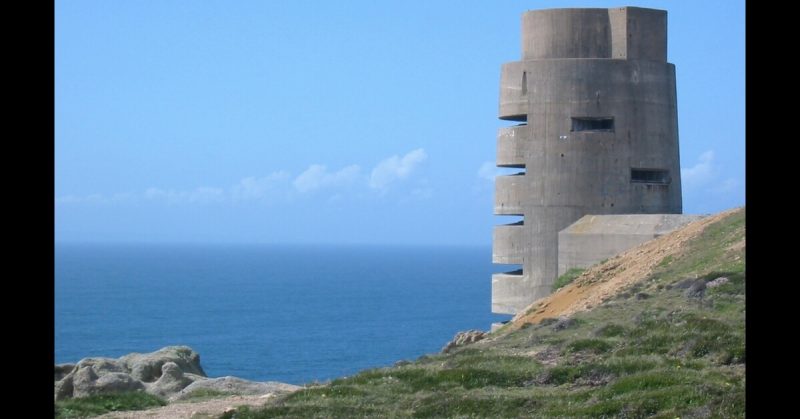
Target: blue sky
x,y
331,122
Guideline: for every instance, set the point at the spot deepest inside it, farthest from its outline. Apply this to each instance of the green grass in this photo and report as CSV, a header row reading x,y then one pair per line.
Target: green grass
x,y
97,405
567,278
590,345
665,356
665,261
610,330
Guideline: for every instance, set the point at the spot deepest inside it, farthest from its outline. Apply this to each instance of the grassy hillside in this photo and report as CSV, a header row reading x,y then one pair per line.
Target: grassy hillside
x,y
99,404
669,344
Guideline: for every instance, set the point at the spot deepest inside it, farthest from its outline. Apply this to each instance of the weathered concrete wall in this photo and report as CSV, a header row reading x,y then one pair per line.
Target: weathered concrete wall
x,y
594,238
589,64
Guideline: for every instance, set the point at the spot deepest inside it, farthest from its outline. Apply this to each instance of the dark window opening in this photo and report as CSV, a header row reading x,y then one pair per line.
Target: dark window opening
x,y
518,118
650,176
524,83
593,124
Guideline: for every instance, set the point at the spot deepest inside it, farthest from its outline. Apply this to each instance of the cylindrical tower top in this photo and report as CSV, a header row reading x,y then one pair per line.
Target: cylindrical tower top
x,y
631,33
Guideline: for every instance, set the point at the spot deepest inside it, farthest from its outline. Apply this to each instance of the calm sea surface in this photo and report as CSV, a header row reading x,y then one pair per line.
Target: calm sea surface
x,y
262,312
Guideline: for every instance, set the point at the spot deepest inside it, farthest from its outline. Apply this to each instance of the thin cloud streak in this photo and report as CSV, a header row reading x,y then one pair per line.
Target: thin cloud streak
x,y
276,186
396,168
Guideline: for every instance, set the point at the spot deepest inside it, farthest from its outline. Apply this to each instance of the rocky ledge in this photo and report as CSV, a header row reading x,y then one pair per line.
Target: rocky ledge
x,y
464,338
172,373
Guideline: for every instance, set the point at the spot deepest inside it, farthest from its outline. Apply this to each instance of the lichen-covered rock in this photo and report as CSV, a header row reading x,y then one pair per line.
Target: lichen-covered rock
x,y
464,338
129,373
172,381
696,290
717,282
101,366
82,381
61,370
147,367
116,382
234,385
63,388
171,373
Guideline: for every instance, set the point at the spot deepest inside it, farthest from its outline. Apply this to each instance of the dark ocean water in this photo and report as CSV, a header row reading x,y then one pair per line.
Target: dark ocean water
x,y
263,312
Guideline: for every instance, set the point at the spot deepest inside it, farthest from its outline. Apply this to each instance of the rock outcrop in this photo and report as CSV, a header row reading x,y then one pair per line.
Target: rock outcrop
x,y
62,370
171,381
171,373
234,385
464,338
147,367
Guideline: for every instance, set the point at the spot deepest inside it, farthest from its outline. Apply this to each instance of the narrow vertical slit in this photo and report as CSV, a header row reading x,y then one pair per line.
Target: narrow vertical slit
x,y
524,83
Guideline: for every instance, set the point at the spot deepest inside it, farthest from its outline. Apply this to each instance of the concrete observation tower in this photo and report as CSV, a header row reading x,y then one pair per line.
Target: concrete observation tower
x,y
595,102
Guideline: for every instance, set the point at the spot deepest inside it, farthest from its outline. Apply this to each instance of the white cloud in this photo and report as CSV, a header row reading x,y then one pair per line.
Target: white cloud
x,y
395,167
202,195
701,173
317,176
708,188
253,188
276,186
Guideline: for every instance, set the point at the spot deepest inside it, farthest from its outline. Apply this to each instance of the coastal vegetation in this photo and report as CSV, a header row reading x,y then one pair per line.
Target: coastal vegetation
x,y
567,278
670,343
104,403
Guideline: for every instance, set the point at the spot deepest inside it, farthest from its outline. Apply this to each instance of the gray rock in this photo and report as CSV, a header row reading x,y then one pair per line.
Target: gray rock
x,y
563,323
237,386
116,382
82,381
717,282
172,381
686,283
102,366
696,290
464,338
147,367
172,373
131,372
61,370
63,388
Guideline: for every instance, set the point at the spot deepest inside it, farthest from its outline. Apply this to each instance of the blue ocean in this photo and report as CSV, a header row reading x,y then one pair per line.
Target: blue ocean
x,y
295,314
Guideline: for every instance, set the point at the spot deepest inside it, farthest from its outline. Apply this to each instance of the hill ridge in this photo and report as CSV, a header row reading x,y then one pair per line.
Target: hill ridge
x,y
604,280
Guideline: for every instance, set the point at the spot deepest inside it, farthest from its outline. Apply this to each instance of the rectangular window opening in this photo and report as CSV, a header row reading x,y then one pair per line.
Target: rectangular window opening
x,y
510,268
658,176
603,124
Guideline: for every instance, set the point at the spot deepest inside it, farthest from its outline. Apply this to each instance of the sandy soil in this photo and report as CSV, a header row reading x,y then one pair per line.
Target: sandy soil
x,y
197,410
603,281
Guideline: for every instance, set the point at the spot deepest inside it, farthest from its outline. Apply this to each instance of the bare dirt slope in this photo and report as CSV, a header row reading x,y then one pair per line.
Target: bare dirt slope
x,y
605,280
